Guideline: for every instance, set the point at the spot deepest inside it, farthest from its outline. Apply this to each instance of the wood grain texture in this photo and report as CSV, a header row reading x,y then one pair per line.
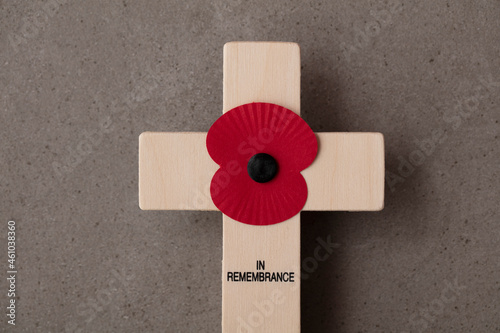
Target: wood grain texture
x,y
347,174
272,307
261,72
175,172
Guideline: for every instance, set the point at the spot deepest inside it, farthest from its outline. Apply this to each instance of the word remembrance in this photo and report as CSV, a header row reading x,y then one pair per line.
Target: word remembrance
x,y
260,164
260,276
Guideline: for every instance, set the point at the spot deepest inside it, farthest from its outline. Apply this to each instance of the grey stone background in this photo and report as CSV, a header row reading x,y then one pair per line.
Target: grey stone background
x,y
80,80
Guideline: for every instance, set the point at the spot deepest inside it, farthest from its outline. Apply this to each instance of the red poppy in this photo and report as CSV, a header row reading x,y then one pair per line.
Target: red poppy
x,y
261,149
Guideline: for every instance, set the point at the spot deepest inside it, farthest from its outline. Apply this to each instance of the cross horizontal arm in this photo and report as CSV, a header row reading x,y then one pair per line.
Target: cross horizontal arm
x,y
175,172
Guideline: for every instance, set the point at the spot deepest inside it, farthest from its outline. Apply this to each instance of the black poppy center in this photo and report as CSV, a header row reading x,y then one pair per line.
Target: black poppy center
x,y
262,167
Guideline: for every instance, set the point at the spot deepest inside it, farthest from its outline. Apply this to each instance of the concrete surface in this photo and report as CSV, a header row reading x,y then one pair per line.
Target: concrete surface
x,y
80,80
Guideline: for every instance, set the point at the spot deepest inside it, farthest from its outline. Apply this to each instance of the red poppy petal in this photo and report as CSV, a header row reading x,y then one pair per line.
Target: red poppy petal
x,y
249,202
259,127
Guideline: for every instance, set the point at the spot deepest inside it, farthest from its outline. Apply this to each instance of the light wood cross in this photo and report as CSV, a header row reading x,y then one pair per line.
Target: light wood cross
x,y
175,172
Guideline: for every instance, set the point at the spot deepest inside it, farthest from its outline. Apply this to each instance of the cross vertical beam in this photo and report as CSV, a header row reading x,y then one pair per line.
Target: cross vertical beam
x,y
261,72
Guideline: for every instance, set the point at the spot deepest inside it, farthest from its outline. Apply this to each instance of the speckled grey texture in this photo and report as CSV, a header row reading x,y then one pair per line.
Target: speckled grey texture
x,y
80,80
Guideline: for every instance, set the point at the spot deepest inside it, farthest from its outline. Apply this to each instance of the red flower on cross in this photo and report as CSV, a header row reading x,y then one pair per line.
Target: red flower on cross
x,y
261,149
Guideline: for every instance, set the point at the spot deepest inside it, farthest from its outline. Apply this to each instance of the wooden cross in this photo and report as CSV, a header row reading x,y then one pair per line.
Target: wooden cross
x,y
175,172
